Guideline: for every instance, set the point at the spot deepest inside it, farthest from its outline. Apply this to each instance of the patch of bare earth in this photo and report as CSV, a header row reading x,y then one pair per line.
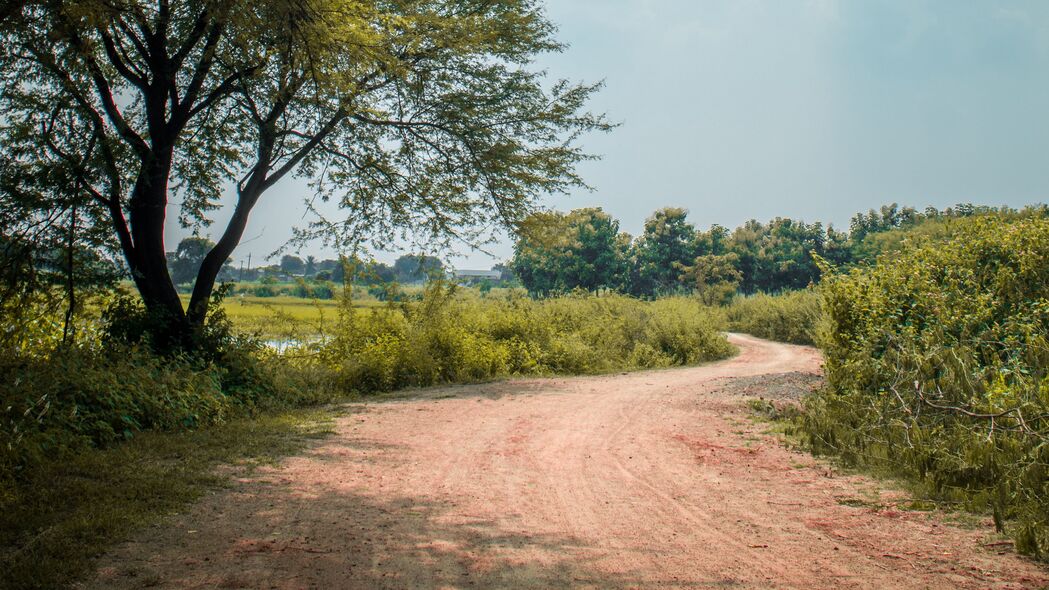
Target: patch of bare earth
x,y
656,479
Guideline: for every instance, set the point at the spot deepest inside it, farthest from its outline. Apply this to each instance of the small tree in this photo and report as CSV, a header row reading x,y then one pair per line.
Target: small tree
x,y
292,265
714,277
667,243
559,252
414,268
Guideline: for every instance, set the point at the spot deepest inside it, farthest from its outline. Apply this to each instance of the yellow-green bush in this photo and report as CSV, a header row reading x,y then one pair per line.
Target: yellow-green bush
x,y
936,361
63,395
454,335
789,317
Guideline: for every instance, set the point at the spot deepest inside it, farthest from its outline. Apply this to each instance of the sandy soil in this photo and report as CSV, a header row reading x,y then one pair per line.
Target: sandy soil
x,y
647,480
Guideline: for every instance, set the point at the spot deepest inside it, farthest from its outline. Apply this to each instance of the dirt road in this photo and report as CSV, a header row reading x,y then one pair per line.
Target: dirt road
x,y
648,480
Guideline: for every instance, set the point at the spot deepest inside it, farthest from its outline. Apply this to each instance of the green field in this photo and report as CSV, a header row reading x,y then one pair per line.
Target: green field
x,y
291,317
285,315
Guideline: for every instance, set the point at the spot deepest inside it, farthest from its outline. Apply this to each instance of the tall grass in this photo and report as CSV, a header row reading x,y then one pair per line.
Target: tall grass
x,y
791,317
454,335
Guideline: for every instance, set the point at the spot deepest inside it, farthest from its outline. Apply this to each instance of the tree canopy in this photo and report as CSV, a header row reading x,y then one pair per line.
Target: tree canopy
x,y
658,255
184,263
579,250
417,116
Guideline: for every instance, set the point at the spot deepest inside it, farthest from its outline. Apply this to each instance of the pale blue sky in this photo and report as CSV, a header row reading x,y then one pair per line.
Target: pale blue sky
x,y
813,109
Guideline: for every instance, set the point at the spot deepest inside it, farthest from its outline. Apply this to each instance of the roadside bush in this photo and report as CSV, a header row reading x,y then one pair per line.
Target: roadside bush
x,y
936,361
455,336
789,317
84,396
109,385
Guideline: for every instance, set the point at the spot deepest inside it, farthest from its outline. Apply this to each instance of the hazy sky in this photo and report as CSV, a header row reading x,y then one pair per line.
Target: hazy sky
x,y
817,109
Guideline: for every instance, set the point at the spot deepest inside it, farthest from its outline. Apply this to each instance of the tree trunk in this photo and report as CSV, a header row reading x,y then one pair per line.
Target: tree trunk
x,y
212,265
147,212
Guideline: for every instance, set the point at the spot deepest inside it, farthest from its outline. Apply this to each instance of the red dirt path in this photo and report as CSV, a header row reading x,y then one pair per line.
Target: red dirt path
x,y
656,479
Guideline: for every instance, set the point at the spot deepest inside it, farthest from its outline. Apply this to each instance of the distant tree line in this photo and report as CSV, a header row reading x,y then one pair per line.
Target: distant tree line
x,y
584,249
185,261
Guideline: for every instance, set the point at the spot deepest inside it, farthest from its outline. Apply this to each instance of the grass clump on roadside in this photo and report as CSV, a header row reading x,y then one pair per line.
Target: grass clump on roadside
x,y
791,317
936,366
109,385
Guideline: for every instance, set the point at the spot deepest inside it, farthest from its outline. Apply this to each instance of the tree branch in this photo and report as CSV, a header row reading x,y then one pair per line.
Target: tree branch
x,y
118,61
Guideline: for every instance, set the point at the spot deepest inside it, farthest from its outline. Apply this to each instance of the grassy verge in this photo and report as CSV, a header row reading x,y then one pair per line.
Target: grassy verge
x,y
68,510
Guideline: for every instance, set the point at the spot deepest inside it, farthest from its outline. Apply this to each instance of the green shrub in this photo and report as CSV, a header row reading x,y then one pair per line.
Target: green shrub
x,y
313,290
452,335
264,291
789,317
936,361
109,385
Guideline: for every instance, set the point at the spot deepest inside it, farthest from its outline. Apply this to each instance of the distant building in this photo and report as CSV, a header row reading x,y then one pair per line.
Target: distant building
x,y
477,275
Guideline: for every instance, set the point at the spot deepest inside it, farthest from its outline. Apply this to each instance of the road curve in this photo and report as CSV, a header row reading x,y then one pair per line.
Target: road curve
x,y
658,479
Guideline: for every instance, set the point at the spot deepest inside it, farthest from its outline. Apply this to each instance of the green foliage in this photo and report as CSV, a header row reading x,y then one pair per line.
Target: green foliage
x,y
789,317
660,253
292,265
558,253
936,364
102,389
454,336
714,278
83,397
888,230
416,117
415,268
185,261
778,256
313,290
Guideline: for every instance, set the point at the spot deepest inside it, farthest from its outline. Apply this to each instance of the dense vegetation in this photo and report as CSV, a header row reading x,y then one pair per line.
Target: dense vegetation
x,y
936,363
584,249
791,317
456,336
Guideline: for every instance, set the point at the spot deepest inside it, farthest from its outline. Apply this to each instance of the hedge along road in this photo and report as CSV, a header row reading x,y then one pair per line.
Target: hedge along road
x,y
654,479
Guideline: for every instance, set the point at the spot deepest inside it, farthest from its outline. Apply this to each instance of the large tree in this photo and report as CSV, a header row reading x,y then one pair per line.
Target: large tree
x,y
410,114
415,268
